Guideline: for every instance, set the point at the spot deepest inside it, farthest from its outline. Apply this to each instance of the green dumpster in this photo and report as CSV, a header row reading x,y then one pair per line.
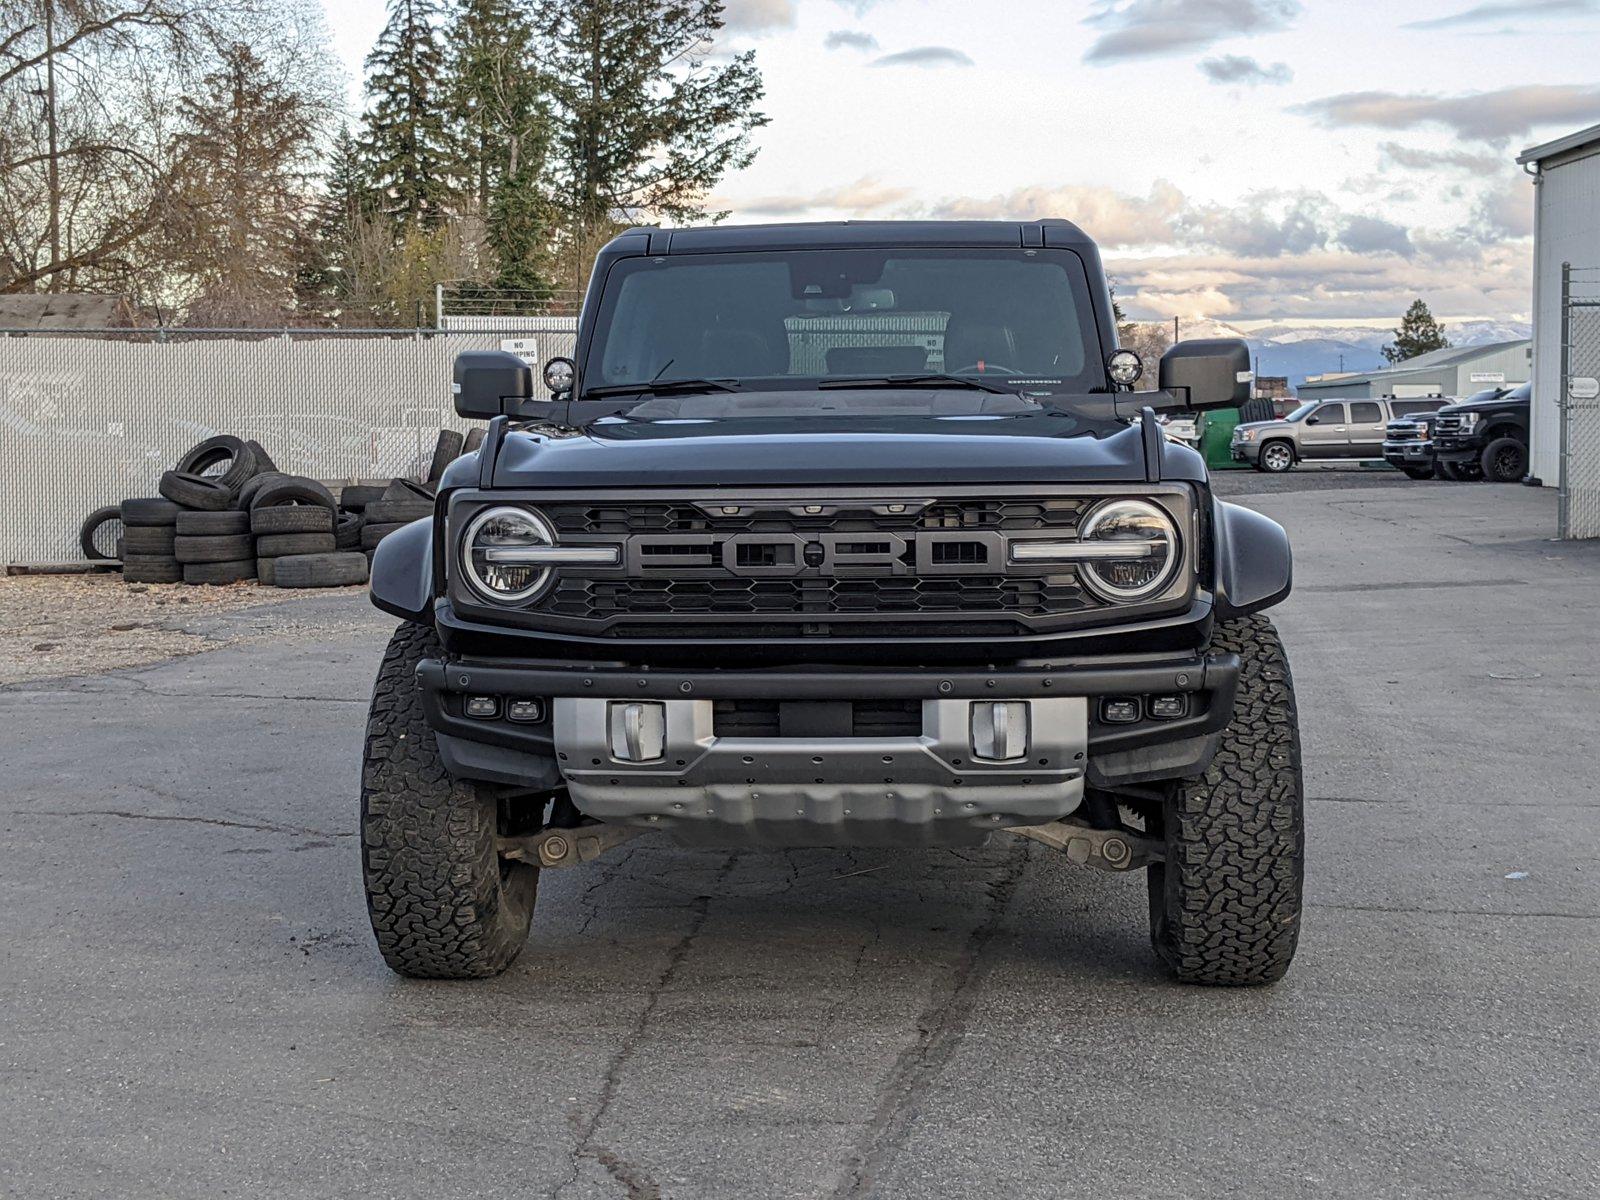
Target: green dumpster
x,y
1216,433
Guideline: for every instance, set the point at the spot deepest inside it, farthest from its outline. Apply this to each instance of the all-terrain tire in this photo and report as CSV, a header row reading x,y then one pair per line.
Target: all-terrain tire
x,y
1225,906
214,452
1504,460
254,484
443,903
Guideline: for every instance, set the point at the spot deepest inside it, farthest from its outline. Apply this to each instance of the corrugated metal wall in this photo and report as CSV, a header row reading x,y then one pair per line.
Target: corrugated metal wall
x,y
90,419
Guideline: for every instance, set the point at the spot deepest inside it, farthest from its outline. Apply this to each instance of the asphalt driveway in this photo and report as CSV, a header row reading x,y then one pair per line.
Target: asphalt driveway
x,y
190,1005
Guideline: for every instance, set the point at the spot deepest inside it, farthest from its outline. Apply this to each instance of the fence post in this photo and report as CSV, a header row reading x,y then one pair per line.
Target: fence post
x,y
1564,492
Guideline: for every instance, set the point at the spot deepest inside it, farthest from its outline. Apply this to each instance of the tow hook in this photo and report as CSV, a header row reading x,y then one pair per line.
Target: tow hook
x,y
566,847
1103,849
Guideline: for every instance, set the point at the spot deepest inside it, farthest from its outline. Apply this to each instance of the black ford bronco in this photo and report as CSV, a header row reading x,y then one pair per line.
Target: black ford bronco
x,y
843,534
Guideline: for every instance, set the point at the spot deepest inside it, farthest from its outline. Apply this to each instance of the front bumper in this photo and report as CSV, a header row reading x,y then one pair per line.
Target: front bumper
x,y
1245,452
819,787
1408,454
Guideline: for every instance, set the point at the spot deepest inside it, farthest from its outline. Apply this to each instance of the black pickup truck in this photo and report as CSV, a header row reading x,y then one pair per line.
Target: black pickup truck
x,y
1486,436
849,534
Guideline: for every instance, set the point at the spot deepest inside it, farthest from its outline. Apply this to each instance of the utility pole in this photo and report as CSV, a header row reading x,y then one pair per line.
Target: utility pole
x,y
52,163
1175,338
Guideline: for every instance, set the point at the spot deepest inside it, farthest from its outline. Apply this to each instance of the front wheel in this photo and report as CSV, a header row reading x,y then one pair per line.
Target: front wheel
x,y
1504,460
443,903
1225,906
1277,457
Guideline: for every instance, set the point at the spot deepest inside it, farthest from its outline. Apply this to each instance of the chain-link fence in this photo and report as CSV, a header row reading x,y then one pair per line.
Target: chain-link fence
x,y
1580,402
91,417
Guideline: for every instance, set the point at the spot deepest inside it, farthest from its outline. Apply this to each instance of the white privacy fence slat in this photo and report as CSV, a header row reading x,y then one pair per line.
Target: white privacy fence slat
x,y
91,418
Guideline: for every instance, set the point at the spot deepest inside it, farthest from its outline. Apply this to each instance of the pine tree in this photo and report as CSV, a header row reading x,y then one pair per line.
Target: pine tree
x,y
501,111
644,124
1418,334
406,144
346,200
244,156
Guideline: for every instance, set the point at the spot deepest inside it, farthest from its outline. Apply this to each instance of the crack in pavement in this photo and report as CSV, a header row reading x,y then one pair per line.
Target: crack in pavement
x,y
940,1030
297,830
635,1179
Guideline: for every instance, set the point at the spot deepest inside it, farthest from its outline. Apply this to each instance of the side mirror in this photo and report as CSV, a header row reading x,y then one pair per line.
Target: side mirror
x,y
490,383
1313,420
1212,372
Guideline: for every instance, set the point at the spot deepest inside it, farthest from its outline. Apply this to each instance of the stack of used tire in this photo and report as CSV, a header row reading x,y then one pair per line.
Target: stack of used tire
x,y
301,538
402,502
201,492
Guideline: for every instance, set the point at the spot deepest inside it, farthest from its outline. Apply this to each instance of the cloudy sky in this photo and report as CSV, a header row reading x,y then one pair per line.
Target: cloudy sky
x,y
1244,160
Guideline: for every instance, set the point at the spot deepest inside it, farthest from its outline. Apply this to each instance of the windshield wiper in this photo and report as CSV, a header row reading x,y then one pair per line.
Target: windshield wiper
x,y
662,387
932,379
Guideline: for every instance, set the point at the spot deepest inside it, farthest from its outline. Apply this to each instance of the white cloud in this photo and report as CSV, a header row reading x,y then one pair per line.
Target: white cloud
x,y
1241,69
758,16
1151,28
1482,116
849,39
925,56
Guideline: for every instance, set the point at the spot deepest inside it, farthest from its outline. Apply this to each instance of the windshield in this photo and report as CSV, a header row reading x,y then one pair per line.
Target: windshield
x,y
1021,319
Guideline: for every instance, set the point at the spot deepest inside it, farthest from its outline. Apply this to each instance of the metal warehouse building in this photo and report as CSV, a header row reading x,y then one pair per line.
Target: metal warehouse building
x,y
1566,176
1458,372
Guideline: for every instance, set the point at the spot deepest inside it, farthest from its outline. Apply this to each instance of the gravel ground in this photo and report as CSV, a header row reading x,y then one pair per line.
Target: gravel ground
x,y
55,626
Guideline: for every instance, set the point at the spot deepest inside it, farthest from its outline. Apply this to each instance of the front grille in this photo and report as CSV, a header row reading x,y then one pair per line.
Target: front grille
x,y
602,599
1447,423
900,563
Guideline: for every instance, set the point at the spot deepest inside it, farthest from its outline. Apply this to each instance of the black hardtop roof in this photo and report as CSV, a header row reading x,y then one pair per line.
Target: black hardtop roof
x,y
829,235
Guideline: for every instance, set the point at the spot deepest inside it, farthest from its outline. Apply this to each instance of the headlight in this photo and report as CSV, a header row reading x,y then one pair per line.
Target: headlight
x,y
1135,550
1246,435
493,571
1469,419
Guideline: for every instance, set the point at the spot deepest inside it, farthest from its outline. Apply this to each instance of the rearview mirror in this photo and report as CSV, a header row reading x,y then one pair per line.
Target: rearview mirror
x,y
490,383
1212,372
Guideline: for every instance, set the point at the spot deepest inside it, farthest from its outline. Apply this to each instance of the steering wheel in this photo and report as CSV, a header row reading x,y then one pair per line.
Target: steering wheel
x,y
985,368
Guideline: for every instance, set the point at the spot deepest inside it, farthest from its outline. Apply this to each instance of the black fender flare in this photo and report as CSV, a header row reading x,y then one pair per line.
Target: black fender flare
x,y
1254,564
402,572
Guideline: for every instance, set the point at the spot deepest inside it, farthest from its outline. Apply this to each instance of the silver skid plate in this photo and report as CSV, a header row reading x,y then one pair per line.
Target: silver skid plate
x,y
825,791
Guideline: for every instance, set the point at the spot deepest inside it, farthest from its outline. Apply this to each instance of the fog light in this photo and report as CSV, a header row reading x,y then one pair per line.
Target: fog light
x,y
525,712
1169,708
999,730
638,730
484,708
1122,711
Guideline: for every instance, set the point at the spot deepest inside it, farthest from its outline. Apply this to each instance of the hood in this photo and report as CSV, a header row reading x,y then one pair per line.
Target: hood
x,y
1033,447
1277,424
